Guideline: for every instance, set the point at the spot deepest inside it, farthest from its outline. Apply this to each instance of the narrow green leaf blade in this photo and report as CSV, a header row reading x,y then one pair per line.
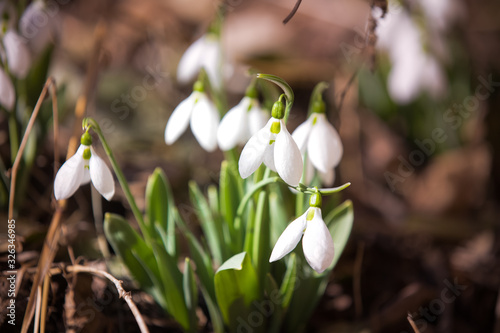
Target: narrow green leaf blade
x,y
288,285
135,254
211,230
190,293
159,210
171,278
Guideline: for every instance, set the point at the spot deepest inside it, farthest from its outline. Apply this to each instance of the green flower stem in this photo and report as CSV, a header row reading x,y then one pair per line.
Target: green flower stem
x,y
91,123
317,95
249,195
299,203
256,215
286,89
328,191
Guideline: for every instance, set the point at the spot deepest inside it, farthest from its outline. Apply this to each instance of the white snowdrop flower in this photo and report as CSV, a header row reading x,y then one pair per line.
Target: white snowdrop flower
x,y
274,146
17,54
412,67
81,168
320,142
37,25
201,113
317,242
241,122
7,91
203,53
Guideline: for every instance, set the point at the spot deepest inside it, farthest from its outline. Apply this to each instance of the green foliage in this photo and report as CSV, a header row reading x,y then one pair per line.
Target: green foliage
x,y
239,232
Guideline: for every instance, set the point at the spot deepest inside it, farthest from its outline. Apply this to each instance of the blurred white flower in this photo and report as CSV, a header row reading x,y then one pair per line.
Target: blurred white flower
x,y
240,123
37,24
413,68
7,91
198,110
274,146
317,242
17,54
320,142
81,168
203,53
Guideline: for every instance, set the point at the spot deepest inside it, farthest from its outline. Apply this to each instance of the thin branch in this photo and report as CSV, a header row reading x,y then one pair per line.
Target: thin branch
x,y
15,167
412,323
127,296
292,13
45,300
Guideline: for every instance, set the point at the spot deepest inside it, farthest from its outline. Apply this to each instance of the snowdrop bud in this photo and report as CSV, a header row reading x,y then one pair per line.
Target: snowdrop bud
x,y
278,110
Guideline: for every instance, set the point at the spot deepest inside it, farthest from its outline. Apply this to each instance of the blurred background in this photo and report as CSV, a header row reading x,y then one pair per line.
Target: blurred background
x,y
414,91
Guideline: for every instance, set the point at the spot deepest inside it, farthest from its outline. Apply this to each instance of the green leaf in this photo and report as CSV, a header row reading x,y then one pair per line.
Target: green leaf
x,y
213,311
211,229
277,215
236,287
201,258
231,192
159,210
311,289
171,278
339,222
135,254
190,293
288,285
261,250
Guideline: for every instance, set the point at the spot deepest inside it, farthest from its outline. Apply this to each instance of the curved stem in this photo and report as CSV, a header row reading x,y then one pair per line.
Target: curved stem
x,y
286,89
248,196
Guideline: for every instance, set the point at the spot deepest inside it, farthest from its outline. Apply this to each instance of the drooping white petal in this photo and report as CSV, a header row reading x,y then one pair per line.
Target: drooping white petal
x,y
324,147
233,127
70,175
191,61
7,92
101,176
289,238
204,123
317,243
287,157
211,60
301,134
327,178
18,56
252,154
179,120
257,117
